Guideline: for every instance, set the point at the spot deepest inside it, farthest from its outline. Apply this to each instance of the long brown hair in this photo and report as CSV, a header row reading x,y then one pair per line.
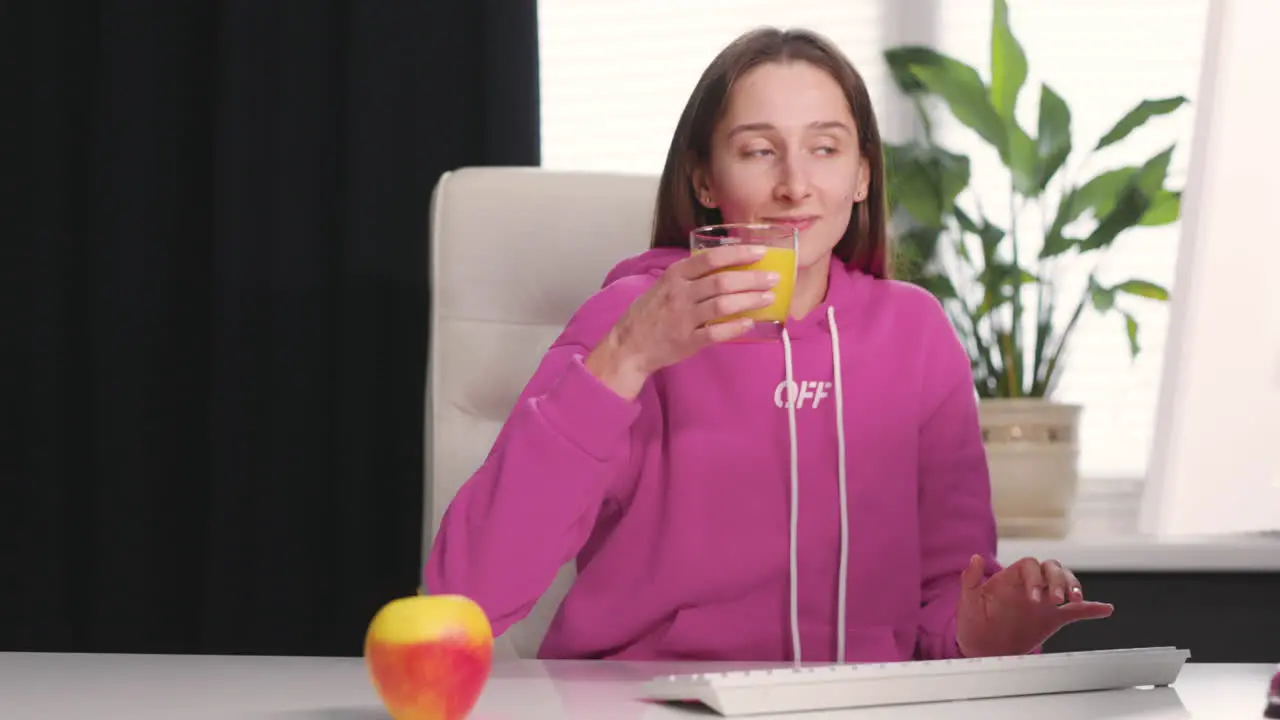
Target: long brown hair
x,y
677,211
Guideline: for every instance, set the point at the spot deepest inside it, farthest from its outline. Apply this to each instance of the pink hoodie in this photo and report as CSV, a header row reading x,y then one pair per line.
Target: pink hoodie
x,y
678,507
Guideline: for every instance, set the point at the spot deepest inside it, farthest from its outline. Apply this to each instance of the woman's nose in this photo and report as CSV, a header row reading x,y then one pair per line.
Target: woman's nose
x,y
793,180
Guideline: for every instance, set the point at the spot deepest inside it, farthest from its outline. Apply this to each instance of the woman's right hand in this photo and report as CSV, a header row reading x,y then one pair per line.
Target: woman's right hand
x,y
674,318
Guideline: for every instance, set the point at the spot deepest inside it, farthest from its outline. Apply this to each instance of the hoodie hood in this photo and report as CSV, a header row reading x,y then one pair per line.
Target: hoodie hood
x,y
650,262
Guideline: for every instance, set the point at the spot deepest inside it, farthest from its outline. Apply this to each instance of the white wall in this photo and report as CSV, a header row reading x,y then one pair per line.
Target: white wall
x,y
1216,464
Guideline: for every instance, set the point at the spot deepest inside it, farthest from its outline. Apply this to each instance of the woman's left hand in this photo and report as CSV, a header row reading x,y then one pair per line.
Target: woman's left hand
x,y
1019,607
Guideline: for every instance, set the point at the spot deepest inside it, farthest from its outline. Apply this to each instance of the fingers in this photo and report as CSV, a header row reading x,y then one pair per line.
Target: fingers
x,y
721,332
1062,584
717,295
718,258
723,306
1032,576
1083,610
971,577
731,282
1075,593
1056,581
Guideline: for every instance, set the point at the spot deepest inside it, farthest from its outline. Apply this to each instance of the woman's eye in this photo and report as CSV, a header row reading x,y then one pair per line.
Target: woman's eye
x,y
826,150
758,152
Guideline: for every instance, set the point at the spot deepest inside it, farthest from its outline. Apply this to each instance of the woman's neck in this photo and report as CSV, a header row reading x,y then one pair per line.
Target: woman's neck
x,y
811,288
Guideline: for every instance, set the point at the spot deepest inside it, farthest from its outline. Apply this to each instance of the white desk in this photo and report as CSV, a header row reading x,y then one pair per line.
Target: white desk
x,y
140,687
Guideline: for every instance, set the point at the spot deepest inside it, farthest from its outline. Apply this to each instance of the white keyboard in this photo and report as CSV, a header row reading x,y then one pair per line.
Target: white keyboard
x,y
835,687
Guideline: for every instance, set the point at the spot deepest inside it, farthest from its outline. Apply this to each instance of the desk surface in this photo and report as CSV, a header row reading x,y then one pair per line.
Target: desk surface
x,y
1145,554
147,687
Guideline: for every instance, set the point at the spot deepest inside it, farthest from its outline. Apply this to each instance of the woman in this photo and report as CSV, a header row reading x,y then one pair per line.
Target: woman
x,y
666,461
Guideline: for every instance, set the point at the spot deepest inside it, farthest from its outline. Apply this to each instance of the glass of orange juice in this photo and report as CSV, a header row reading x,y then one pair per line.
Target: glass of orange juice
x,y
781,244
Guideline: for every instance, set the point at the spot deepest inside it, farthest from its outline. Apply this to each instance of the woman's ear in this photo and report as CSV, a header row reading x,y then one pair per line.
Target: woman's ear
x,y
864,182
702,187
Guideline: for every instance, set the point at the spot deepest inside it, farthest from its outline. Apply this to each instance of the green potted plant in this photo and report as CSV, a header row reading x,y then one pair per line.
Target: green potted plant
x,y
997,281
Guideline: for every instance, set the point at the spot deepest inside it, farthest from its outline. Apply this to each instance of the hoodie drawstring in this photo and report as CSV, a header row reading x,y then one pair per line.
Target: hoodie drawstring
x,y
795,491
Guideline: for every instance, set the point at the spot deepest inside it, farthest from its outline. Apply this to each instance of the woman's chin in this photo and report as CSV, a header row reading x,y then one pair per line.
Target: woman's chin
x,y
809,260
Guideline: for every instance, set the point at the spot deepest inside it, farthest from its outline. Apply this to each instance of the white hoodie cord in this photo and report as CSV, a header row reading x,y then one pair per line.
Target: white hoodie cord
x,y
795,492
844,486
795,496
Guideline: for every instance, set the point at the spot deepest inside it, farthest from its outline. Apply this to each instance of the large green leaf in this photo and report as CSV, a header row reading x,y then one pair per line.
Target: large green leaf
x,y
890,152
1149,179
1008,74
1103,298
939,286
1142,288
1005,274
1135,199
1055,243
965,222
989,234
1008,63
902,62
1099,195
915,248
920,69
1131,330
1054,142
1023,161
924,180
1139,115
1165,209
1139,187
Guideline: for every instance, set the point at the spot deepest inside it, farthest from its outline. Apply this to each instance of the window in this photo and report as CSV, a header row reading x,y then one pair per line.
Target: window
x,y
616,73
1102,57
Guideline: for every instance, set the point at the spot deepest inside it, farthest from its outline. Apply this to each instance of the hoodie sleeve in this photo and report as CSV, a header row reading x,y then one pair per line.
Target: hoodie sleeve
x,y
530,507
956,517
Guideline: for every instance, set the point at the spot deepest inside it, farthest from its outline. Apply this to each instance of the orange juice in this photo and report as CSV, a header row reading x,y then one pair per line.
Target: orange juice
x,y
783,262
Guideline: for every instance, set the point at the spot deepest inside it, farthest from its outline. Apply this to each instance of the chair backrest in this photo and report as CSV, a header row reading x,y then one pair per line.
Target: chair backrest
x,y
514,252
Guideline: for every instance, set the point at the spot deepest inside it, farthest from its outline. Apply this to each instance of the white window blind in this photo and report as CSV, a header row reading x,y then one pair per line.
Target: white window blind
x,y
615,74
1102,57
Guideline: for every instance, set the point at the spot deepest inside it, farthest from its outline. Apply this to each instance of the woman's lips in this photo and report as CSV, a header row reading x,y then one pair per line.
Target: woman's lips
x,y
799,223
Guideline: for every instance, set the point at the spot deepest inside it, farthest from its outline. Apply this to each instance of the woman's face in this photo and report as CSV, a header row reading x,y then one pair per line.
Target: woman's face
x,y
786,151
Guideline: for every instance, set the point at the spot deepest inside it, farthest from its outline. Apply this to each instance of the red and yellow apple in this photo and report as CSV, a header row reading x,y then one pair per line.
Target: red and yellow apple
x,y
429,656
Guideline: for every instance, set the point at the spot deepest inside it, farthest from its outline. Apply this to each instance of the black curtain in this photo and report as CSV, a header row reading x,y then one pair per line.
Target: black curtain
x,y
215,307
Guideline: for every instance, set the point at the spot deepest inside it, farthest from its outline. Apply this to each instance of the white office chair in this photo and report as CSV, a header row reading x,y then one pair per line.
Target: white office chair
x,y
514,251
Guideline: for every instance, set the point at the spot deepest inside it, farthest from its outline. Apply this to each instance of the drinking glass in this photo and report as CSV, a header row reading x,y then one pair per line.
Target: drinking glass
x,y
781,244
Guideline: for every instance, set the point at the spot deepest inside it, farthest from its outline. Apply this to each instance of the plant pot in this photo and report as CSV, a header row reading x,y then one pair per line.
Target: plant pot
x,y
1032,453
